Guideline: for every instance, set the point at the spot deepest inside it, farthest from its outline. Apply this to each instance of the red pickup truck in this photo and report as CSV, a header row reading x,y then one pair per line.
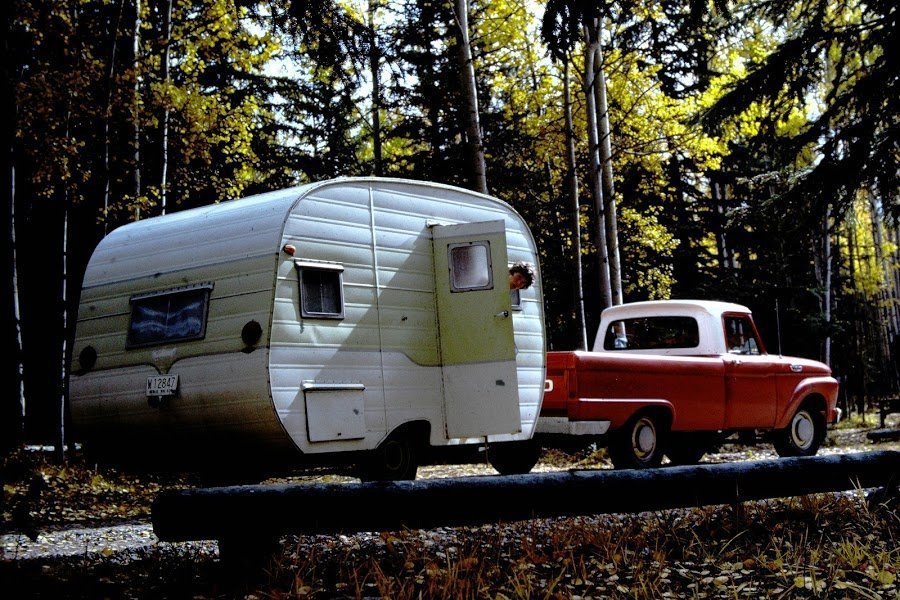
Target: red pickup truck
x,y
676,377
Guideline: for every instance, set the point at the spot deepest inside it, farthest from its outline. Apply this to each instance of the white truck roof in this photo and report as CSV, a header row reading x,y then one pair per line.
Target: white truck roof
x,y
708,314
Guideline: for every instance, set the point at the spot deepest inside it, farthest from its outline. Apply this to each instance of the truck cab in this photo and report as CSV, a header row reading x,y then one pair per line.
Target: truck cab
x,y
673,377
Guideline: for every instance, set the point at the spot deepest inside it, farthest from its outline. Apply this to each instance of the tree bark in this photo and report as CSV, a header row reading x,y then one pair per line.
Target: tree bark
x,y
470,91
591,41
374,67
136,110
606,176
164,160
572,187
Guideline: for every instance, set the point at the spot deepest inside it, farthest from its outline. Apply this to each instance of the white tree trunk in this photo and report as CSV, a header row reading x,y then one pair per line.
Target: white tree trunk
x,y
590,53
164,160
375,68
571,167
467,79
136,109
606,172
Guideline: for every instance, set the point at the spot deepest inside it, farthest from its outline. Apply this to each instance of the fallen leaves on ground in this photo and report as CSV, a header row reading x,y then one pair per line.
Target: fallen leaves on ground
x,y
822,546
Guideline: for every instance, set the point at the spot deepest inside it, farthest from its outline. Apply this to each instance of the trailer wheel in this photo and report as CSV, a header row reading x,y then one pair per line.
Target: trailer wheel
x,y
803,435
638,444
686,449
514,458
395,459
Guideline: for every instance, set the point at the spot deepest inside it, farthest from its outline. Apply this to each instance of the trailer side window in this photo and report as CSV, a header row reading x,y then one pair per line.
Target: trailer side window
x,y
470,266
170,316
321,290
515,299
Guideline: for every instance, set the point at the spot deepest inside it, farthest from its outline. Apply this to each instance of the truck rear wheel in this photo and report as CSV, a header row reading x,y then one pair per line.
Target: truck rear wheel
x,y
638,444
803,435
514,458
395,459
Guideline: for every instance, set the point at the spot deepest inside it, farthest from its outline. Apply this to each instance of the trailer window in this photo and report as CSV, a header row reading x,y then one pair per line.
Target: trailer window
x,y
470,266
168,316
515,299
321,290
652,333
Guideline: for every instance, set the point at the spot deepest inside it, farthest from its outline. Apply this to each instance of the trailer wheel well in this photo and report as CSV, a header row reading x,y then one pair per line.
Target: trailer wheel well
x,y
417,432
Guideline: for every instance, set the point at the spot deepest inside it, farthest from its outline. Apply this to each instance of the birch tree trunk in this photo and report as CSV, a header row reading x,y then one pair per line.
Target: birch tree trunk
x,y
606,172
827,260
61,439
591,42
886,295
18,429
164,159
572,187
467,79
107,116
136,110
375,68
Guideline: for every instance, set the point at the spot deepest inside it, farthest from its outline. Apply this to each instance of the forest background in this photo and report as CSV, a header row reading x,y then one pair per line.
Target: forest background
x,y
746,151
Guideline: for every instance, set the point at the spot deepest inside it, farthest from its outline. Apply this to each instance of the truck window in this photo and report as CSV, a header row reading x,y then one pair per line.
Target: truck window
x,y
321,290
470,266
739,336
652,333
174,315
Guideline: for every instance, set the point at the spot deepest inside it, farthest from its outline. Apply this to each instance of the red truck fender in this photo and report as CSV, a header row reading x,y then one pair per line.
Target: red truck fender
x,y
824,387
617,410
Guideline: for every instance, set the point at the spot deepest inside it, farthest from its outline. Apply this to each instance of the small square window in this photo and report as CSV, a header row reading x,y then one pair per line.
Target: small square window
x,y
175,315
321,290
470,267
515,299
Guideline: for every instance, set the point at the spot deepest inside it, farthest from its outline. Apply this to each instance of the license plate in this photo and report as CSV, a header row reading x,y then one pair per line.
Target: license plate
x,y
162,385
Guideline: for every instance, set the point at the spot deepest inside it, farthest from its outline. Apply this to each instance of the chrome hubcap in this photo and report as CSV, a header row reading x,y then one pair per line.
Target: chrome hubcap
x,y
803,430
643,439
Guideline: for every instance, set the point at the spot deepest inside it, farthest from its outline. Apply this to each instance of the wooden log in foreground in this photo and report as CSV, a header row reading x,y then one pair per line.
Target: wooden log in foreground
x,y
261,511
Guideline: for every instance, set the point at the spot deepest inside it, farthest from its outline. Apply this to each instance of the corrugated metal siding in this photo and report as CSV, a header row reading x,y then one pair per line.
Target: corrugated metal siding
x,y
387,340
223,392
403,382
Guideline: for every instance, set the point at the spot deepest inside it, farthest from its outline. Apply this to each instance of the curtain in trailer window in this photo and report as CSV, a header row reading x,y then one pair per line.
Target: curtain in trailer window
x,y
168,317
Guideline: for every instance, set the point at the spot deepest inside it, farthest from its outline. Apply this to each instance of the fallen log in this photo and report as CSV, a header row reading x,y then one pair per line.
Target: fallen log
x,y
884,435
267,511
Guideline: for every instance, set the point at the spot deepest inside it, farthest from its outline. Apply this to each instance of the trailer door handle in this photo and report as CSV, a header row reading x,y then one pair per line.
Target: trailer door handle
x,y
503,314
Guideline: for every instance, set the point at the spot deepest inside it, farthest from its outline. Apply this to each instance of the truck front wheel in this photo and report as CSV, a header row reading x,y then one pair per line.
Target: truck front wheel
x,y
803,435
638,444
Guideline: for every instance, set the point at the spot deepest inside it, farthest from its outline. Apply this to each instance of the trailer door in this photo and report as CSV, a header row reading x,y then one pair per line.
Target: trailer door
x,y
478,355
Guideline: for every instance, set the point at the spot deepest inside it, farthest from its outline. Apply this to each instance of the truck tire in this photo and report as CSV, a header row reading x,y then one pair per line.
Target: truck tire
x,y
638,444
803,435
395,459
514,458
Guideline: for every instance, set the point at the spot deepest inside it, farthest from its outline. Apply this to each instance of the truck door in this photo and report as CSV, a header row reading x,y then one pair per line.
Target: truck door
x,y
750,393
478,356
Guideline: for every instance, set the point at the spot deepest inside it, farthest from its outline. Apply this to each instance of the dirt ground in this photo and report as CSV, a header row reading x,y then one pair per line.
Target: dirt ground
x,y
73,530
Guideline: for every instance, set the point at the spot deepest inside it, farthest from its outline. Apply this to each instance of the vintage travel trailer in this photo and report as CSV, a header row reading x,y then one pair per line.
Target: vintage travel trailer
x,y
365,320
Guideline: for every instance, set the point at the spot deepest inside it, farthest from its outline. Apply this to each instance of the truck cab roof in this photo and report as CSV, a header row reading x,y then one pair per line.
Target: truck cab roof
x,y
699,322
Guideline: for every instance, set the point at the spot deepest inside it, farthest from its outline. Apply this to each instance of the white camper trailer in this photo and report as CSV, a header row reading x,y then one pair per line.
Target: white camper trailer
x,y
363,319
